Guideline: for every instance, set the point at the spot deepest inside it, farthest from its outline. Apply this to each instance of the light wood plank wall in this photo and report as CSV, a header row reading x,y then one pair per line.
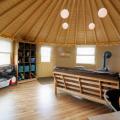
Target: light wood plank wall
x,y
113,62
45,69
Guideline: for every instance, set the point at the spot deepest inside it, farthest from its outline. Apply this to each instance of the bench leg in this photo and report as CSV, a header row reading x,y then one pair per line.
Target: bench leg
x,y
55,90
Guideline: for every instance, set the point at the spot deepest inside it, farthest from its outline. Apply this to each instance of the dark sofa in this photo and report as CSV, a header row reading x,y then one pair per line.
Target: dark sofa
x,y
7,75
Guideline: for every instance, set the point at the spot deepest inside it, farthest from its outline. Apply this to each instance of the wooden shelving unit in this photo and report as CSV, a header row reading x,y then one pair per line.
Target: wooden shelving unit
x,y
26,62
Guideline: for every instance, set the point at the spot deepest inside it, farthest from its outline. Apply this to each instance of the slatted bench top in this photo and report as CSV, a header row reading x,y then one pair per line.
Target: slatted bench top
x,y
88,73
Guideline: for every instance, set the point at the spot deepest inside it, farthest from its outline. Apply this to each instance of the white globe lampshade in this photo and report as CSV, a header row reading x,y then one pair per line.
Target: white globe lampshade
x,y
65,26
102,12
64,13
91,26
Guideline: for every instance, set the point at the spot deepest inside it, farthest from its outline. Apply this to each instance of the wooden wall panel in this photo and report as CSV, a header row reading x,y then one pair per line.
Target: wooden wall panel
x,y
70,61
45,69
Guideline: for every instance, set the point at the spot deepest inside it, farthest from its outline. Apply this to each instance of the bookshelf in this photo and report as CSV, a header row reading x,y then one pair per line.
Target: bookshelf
x,y
26,62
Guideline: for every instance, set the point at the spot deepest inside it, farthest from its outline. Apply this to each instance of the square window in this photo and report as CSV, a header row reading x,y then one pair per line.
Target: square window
x,y
45,54
4,58
85,55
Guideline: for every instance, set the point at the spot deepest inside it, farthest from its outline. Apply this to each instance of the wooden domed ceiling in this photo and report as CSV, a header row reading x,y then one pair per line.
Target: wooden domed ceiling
x,y
39,21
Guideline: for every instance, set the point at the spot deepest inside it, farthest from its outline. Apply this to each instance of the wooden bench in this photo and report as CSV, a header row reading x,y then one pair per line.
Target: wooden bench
x,y
91,88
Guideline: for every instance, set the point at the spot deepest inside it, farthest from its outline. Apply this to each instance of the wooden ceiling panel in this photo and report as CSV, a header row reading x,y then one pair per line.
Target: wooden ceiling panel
x,y
6,5
46,24
45,31
13,27
54,31
114,15
39,21
11,15
81,38
32,33
70,38
29,24
101,35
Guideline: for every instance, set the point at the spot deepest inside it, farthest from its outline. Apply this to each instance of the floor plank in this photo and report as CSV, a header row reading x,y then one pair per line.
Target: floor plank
x,y
35,101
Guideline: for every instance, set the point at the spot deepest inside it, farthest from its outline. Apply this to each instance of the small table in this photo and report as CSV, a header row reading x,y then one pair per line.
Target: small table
x,y
109,116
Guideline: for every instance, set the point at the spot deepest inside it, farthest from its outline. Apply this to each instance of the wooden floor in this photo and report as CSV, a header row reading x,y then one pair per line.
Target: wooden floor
x,y
35,101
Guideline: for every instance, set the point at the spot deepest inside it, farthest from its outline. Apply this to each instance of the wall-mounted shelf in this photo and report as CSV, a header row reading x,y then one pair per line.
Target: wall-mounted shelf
x,y
65,54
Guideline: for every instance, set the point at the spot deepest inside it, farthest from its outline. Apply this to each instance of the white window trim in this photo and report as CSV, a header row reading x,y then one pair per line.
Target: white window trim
x,y
86,46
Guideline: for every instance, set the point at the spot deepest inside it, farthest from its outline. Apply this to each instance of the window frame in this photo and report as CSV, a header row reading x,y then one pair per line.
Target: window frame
x,y
46,55
86,46
7,53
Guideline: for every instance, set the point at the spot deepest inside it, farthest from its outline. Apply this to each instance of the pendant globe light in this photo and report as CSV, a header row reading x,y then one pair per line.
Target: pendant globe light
x,y
102,12
91,26
64,13
65,26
